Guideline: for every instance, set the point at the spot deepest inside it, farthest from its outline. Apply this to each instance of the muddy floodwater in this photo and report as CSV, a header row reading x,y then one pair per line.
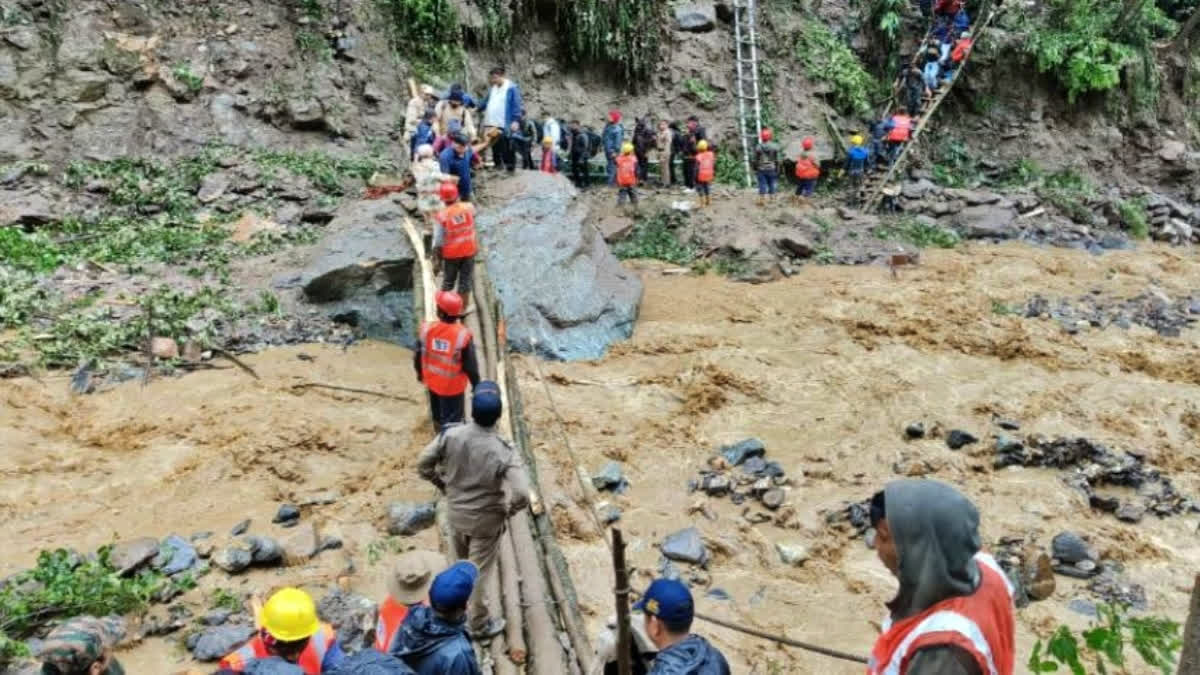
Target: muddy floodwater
x,y
826,368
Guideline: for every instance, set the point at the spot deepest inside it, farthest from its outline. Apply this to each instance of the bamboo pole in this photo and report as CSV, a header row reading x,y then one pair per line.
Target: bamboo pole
x,y
624,637
546,654
510,586
1189,659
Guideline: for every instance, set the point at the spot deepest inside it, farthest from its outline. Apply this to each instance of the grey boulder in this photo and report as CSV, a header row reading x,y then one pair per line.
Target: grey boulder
x,y
214,643
175,555
695,17
127,556
1070,548
686,546
987,222
351,615
408,518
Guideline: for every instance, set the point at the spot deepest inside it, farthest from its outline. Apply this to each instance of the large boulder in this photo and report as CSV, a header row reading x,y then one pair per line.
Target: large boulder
x,y
363,273
987,222
695,17
564,294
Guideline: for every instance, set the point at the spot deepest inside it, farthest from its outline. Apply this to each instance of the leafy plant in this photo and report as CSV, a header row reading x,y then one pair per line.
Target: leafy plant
x,y
1023,172
831,60
183,72
700,91
223,599
1003,309
653,237
953,165
627,35
424,32
729,169
919,233
1133,214
1069,191
1156,641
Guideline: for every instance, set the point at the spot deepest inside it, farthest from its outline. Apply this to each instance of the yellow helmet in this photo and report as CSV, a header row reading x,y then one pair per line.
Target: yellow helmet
x,y
290,615
627,149
702,146
856,139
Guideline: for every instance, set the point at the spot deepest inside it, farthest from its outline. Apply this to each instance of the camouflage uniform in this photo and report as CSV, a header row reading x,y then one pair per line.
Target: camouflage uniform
x,y
75,645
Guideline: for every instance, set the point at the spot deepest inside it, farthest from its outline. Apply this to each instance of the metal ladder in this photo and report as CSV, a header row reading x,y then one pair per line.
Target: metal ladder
x,y
746,44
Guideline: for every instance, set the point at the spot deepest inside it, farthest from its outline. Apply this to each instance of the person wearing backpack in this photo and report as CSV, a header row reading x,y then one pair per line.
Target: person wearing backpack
x,y
614,137
579,154
626,176
766,166
706,171
808,170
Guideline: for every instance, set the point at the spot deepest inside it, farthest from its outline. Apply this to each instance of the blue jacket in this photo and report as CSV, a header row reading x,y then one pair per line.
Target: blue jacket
x,y
454,165
961,21
691,656
372,661
512,106
432,646
423,134
856,160
614,136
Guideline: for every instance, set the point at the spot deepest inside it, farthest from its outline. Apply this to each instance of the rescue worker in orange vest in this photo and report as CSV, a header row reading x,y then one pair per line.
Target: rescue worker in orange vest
x,y
953,614
899,131
808,170
290,630
445,360
627,170
407,587
706,170
454,240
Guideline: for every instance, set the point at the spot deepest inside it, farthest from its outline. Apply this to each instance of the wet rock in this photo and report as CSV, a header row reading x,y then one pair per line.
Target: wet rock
x,y
212,187
214,643
1008,425
175,555
987,222
1131,512
564,295
352,616
264,550
165,620
742,450
1172,151
240,528
958,438
204,548
330,543
1070,548
1008,444
695,17
773,498
233,559
608,513
164,348
287,513
610,478
915,430
1039,577
716,485
127,556
362,272
301,545
792,553
1110,587
1084,607
25,209
409,518
216,617
686,546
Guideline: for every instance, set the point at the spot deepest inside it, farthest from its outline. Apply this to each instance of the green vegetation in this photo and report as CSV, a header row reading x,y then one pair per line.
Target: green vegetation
x,y
66,584
309,41
183,72
223,599
953,165
327,173
918,233
730,169
1070,192
627,35
654,237
1019,174
1003,309
701,92
1133,214
829,59
1155,640
424,32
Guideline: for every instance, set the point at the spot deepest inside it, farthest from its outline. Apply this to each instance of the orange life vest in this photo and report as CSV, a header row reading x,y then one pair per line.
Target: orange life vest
x,y
901,128
807,168
391,615
626,171
961,49
310,659
981,623
442,346
458,229
706,166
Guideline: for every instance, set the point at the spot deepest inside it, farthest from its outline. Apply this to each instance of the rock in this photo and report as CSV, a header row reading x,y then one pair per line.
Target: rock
x,y
22,37
317,212
608,513
233,559
286,513
1172,151
175,555
1084,607
216,617
695,17
987,222
1131,512
373,94
127,556
917,464
352,616
716,485
301,545
1007,444
541,70
564,294
164,348
164,620
264,550
978,198
797,246
409,518
959,438
1008,425
1070,548
773,498
240,528
251,225
918,189
1039,577
82,86
204,548
330,543
320,498
289,214
362,272
214,643
739,452
609,478
793,553
25,209
915,430
212,187
686,546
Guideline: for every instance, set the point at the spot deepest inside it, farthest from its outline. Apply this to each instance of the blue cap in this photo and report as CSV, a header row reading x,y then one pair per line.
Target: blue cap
x,y
668,600
486,404
452,588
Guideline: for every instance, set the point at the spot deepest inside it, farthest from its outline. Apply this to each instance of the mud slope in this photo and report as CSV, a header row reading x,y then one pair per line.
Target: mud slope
x,y
827,368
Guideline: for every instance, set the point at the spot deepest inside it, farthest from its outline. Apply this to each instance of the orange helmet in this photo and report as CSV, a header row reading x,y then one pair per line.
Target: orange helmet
x,y
765,135
449,303
807,143
448,192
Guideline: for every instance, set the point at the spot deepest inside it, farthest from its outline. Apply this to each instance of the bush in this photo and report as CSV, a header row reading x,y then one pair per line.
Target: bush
x,y
424,32
701,92
627,35
918,233
653,237
827,58
1133,214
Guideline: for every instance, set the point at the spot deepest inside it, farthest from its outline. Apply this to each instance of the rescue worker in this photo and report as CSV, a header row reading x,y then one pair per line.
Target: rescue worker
x,y
290,630
453,109
445,360
856,162
485,483
614,140
433,639
82,646
501,108
664,143
627,170
953,613
408,587
808,170
706,171
766,166
580,152
899,131
549,156
668,614
962,47
695,133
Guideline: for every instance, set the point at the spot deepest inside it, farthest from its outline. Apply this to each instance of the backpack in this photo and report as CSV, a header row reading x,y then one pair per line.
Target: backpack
x,y
595,141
